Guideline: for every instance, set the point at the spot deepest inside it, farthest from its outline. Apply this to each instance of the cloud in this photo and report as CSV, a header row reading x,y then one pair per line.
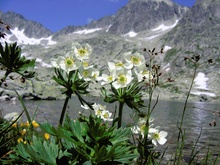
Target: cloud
x,y
113,0
89,20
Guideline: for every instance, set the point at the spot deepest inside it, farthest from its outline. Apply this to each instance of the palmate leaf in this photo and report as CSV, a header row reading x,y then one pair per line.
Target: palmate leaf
x,y
76,128
12,61
98,132
71,82
120,135
41,151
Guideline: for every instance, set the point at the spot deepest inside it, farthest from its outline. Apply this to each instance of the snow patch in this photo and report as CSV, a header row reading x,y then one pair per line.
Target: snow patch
x,y
151,37
166,48
201,81
204,93
163,27
19,37
87,31
108,28
131,34
43,64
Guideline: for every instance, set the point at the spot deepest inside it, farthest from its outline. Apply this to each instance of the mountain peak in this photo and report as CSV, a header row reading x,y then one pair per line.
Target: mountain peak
x,y
166,1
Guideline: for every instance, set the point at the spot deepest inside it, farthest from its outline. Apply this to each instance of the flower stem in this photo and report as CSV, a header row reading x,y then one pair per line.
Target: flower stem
x,y
180,145
83,101
121,104
4,78
63,111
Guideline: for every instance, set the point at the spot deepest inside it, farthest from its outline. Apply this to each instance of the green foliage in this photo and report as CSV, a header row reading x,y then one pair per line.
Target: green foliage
x,y
12,61
89,140
71,82
131,95
40,151
8,136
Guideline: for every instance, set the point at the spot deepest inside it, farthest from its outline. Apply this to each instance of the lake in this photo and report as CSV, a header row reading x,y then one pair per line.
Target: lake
x,y
166,114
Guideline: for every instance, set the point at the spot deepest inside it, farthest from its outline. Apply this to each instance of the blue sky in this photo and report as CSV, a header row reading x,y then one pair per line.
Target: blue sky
x,y
57,14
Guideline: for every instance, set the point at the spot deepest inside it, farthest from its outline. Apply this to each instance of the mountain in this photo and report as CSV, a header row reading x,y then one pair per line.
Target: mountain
x,y
137,16
32,29
197,33
139,24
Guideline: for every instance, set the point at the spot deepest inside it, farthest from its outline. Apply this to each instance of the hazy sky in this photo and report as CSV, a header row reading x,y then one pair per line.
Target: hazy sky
x,y
57,14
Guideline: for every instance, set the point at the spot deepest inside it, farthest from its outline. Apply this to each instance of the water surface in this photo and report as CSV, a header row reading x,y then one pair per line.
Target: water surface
x,y
166,114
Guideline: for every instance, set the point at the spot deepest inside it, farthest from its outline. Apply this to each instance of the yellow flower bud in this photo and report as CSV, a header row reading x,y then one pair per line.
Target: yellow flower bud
x,y
27,124
23,132
14,125
22,124
47,136
20,140
35,124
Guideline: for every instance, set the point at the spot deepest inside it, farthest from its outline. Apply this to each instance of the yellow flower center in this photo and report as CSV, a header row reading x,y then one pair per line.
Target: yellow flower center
x,y
110,78
85,64
69,61
82,51
99,112
135,60
145,72
86,73
106,115
156,136
119,65
122,79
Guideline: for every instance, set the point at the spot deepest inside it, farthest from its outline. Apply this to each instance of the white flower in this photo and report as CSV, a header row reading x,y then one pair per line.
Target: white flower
x,y
86,65
69,62
86,74
98,106
141,125
95,75
123,78
11,116
83,51
56,62
107,79
136,59
89,74
106,115
157,136
100,111
143,74
119,65
135,129
85,106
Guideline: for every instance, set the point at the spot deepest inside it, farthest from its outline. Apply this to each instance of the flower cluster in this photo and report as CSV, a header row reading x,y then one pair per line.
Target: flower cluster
x,y
154,134
77,60
23,128
100,111
121,73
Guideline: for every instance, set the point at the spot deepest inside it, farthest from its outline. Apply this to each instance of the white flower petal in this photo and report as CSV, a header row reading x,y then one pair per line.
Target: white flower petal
x,y
11,116
163,133
154,142
161,140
